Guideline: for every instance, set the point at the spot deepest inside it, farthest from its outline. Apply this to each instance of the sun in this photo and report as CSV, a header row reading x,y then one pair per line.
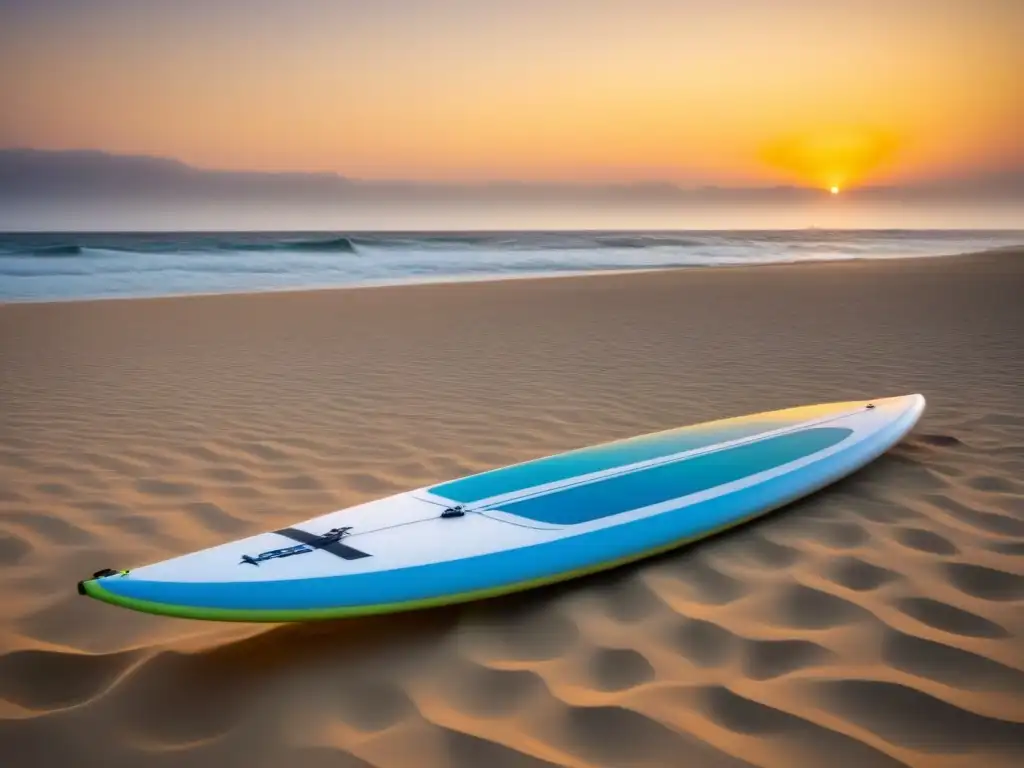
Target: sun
x,y
831,158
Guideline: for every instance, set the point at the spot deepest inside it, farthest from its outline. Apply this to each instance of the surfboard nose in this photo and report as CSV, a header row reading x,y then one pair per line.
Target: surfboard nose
x,y
915,402
907,409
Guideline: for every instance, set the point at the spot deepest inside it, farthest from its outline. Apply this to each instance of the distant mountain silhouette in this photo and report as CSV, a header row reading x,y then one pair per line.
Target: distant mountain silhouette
x,y
27,174
70,173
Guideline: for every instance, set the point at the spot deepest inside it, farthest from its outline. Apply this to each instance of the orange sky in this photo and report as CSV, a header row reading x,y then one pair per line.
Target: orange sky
x,y
841,92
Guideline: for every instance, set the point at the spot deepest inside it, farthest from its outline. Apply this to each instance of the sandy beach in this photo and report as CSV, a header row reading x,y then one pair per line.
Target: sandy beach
x,y
877,623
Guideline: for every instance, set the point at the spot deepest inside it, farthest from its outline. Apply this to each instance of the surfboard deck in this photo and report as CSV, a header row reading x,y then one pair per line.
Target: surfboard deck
x,y
523,525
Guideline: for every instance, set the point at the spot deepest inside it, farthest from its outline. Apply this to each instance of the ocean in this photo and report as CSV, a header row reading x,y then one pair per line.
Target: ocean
x,y
71,266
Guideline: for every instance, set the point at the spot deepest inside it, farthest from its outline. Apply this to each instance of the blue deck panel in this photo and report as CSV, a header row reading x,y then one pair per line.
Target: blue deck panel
x,y
622,493
468,490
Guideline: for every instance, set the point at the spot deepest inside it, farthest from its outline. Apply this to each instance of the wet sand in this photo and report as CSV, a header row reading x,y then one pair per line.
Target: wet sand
x,y
879,622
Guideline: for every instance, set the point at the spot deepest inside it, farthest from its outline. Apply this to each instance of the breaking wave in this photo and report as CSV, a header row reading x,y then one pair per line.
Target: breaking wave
x,y
59,251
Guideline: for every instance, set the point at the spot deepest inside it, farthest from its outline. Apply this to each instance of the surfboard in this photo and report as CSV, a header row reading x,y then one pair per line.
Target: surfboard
x,y
523,525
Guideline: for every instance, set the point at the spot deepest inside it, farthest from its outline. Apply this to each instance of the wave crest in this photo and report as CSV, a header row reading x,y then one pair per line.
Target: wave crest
x,y
333,245
57,251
